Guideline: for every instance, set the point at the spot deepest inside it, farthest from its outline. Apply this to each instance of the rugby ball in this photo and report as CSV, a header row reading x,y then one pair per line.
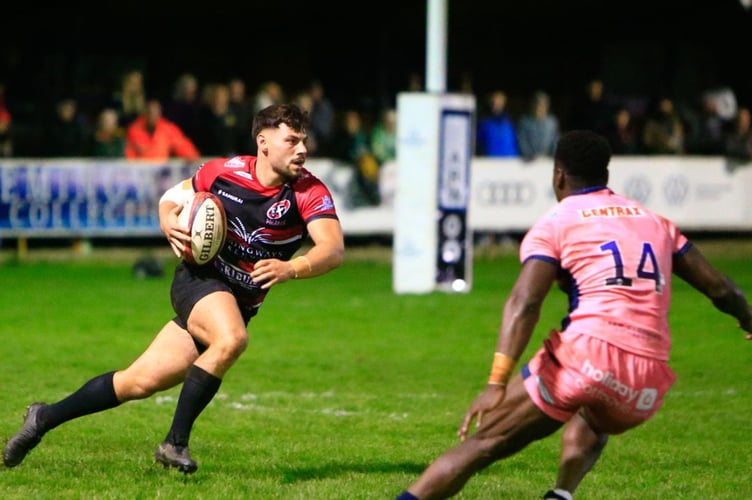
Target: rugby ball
x,y
206,219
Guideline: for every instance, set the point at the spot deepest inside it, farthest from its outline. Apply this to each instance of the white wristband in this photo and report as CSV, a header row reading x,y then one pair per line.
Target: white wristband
x,y
178,194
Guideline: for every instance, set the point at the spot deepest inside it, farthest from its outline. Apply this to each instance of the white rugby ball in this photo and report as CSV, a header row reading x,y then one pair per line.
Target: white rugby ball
x,y
205,216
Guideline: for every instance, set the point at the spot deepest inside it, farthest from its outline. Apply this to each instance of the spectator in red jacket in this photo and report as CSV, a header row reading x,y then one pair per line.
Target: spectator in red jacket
x,y
153,137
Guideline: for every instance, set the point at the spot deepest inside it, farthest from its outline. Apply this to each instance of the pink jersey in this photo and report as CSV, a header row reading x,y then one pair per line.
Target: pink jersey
x,y
618,256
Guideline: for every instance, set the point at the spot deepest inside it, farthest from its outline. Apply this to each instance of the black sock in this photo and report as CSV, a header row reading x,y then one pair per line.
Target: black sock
x,y
198,390
98,394
406,495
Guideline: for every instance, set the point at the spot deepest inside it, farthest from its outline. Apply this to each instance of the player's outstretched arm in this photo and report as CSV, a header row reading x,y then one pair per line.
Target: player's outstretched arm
x,y
521,313
328,249
727,297
327,253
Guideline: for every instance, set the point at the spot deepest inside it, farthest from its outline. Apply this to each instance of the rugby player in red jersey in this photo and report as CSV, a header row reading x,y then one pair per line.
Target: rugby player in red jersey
x,y
273,205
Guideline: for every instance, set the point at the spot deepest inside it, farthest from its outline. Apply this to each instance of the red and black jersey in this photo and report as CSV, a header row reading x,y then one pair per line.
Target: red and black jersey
x,y
262,222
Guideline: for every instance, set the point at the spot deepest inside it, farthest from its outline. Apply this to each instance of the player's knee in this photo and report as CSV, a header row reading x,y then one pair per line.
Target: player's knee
x,y
231,344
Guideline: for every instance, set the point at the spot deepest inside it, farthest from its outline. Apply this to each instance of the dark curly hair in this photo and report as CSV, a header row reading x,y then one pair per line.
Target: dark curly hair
x,y
276,114
585,155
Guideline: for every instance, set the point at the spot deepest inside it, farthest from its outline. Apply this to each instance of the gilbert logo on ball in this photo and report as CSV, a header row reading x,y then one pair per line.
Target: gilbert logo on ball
x,y
205,216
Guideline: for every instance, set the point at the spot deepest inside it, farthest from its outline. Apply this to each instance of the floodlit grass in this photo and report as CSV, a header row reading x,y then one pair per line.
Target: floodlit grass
x,y
346,391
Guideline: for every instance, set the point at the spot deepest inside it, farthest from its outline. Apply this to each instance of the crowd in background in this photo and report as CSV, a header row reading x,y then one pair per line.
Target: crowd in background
x,y
207,119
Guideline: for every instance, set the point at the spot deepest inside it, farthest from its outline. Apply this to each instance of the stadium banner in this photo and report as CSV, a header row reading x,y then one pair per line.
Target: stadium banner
x,y
698,193
48,198
101,198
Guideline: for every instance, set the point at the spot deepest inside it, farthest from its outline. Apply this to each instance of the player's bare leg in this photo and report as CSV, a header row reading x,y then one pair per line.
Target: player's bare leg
x,y
504,431
581,447
161,366
218,324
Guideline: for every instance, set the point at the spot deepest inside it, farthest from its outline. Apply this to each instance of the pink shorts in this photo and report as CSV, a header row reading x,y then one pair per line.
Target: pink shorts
x,y
617,389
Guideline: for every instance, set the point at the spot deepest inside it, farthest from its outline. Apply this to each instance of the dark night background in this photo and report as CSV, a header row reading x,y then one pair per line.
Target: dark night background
x,y
364,51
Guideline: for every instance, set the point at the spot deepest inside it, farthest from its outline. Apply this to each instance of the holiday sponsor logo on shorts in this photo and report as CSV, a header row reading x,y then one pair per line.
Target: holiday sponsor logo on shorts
x,y
647,398
642,399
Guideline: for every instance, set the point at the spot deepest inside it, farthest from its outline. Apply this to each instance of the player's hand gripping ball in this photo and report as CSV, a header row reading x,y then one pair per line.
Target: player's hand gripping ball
x,y
205,216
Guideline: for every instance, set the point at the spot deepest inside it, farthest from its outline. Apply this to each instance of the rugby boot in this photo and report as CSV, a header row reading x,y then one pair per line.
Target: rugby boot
x,y
552,495
26,439
178,457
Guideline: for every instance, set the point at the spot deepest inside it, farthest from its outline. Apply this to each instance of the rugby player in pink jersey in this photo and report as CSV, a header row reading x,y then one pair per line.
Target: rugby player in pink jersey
x,y
607,370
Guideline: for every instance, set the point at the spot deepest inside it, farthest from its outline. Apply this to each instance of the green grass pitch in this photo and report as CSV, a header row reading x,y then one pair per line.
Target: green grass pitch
x,y
346,391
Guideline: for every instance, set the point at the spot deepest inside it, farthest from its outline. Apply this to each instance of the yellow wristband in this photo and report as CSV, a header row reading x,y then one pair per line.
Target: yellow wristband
x,y
299,271
501,369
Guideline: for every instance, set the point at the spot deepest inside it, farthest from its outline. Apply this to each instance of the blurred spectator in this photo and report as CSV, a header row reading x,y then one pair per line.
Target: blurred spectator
x,y
6,130
322,118
305,102
182,108
467,83
414,82
497,135
269,93
538,128
217,131
623,133
67,134
738,142
242,108
130,99
593,111
352,147
706,134
6,136
384,137
663,133
153,137
725,102
109,136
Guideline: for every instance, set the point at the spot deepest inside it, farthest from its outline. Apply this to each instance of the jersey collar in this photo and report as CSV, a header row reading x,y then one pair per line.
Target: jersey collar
x,y
592,189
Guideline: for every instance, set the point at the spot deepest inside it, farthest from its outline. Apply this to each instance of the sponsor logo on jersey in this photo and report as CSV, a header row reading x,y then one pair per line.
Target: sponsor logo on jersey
x,y
243,174
260,235
278,210
230,196
234,162
326,204
236,275
611,211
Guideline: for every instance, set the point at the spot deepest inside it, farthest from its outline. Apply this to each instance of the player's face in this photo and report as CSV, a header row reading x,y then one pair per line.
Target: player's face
x,y
286,151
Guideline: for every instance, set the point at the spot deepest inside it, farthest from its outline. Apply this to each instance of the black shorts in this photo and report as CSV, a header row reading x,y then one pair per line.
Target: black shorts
x,y
192,283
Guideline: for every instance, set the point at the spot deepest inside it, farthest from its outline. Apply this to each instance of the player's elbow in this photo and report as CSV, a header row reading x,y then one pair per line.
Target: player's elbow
x,y
727,297
720,289
524,307
336,256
